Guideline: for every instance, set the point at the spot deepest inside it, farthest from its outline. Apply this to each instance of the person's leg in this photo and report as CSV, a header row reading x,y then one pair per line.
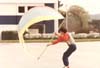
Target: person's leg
x,y
67,53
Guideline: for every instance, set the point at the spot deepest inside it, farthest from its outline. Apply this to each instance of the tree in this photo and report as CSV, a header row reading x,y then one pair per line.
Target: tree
x,y
78,15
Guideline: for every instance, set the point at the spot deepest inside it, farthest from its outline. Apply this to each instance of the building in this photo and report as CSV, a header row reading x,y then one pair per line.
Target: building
x,y
11,12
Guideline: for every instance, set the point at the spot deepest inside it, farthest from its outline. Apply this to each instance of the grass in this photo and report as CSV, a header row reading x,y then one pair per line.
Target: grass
x,y
48,40
87,40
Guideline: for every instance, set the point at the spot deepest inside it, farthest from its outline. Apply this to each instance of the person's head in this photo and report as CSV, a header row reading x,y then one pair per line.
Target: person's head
x,y
62,30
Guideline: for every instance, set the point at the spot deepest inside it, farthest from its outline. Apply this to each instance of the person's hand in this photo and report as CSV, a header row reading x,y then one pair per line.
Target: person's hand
x,y
56,34
48,45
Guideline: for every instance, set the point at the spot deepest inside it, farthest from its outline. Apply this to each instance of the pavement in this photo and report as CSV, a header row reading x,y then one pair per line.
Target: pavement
x,y
15,55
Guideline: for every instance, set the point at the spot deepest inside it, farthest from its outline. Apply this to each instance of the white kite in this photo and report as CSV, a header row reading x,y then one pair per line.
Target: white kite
x,y
36,15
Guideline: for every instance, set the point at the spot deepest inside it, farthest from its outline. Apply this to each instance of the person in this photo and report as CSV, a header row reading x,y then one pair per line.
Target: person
x,y
64,36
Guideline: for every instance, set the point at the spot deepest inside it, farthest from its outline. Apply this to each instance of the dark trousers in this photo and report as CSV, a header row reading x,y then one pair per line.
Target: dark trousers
x,y
67,53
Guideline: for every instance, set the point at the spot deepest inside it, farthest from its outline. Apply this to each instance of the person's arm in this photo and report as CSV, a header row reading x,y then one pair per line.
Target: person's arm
x,y
55,41
60,39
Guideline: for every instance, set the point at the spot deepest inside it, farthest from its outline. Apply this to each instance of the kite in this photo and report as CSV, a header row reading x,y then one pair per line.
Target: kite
x,y
36,15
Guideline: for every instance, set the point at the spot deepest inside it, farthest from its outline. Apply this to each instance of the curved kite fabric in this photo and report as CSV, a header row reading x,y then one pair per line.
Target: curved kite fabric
x,y
36,15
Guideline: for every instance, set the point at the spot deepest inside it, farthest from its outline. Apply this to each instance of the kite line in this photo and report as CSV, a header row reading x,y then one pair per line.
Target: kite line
x,y
38,58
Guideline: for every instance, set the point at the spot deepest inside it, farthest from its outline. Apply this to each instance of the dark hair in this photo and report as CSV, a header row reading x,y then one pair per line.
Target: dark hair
x,y
62,30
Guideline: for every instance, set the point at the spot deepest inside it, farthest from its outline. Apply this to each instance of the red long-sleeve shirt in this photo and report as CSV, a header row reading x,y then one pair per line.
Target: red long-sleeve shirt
x,y
62,38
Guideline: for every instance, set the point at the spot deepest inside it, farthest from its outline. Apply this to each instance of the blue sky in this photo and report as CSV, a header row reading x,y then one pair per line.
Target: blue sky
x,y
92,6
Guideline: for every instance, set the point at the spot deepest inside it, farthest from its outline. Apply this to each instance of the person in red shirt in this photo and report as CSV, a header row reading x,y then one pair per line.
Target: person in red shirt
x,y
64,36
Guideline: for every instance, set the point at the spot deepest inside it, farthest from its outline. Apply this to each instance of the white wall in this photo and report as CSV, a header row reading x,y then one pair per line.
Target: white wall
x,y
8,9
12,8
26,5
28,1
